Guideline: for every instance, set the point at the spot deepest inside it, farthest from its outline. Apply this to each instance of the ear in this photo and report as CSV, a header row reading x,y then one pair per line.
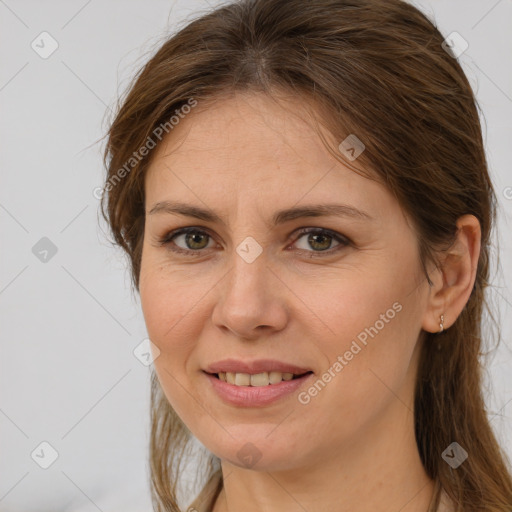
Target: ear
x,y
454,281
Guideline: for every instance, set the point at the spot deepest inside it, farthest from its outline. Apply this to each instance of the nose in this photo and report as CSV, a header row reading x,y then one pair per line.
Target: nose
x,y
251,299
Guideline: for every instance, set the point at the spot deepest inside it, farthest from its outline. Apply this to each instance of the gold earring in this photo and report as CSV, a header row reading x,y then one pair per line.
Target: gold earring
x,y
441,322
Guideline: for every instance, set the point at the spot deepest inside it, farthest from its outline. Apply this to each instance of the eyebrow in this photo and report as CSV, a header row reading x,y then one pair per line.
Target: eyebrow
x,y
280,217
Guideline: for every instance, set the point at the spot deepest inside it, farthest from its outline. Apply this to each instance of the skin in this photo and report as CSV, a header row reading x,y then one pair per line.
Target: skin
x,y
352,447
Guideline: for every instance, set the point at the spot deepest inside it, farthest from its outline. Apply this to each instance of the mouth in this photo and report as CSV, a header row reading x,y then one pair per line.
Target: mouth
x,y
261,379
257,383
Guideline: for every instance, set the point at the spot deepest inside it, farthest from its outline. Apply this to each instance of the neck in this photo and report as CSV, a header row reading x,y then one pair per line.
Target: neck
x,y
378,470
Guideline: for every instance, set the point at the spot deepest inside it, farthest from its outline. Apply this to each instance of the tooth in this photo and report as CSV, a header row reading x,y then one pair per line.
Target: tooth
x,y
259,379
242,379
275,377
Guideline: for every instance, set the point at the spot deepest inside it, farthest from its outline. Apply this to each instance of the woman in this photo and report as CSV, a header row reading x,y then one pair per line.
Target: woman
x,y
302,190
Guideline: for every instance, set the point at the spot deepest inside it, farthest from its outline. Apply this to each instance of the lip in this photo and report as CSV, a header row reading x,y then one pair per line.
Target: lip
x,y
255,396
256,366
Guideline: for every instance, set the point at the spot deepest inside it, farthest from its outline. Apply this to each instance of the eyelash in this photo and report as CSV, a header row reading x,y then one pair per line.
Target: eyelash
x,y
167,240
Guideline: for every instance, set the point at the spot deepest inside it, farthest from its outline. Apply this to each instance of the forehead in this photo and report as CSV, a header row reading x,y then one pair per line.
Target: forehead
x,y
241,130
249,145
245,127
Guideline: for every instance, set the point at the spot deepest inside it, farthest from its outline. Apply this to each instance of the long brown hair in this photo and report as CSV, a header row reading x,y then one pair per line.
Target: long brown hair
x,y
378,69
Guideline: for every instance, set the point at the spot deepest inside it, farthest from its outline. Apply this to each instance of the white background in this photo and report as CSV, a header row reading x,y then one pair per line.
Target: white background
x,y
68,375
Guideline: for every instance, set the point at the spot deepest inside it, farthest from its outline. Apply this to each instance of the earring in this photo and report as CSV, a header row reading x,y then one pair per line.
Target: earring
x,y
441,322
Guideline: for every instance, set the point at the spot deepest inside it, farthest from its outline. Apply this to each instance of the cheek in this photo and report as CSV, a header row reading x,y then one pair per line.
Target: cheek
x,y
341,306
368,335
169,318
170,308
169,300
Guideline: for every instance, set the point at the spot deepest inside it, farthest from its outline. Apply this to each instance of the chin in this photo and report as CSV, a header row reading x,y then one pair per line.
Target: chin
x,y
257,452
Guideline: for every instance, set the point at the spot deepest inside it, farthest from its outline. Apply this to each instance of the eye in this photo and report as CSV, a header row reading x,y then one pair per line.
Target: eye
x,y
321,239
195,240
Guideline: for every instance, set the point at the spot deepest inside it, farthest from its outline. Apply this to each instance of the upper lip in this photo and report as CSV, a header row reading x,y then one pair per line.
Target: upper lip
x,y
256,366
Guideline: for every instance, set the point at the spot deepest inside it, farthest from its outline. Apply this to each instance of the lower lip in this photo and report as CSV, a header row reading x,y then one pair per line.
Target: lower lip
x,y
255,396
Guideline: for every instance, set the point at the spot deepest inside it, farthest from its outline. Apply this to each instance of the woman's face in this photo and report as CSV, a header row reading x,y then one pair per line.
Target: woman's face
x,y
247,288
